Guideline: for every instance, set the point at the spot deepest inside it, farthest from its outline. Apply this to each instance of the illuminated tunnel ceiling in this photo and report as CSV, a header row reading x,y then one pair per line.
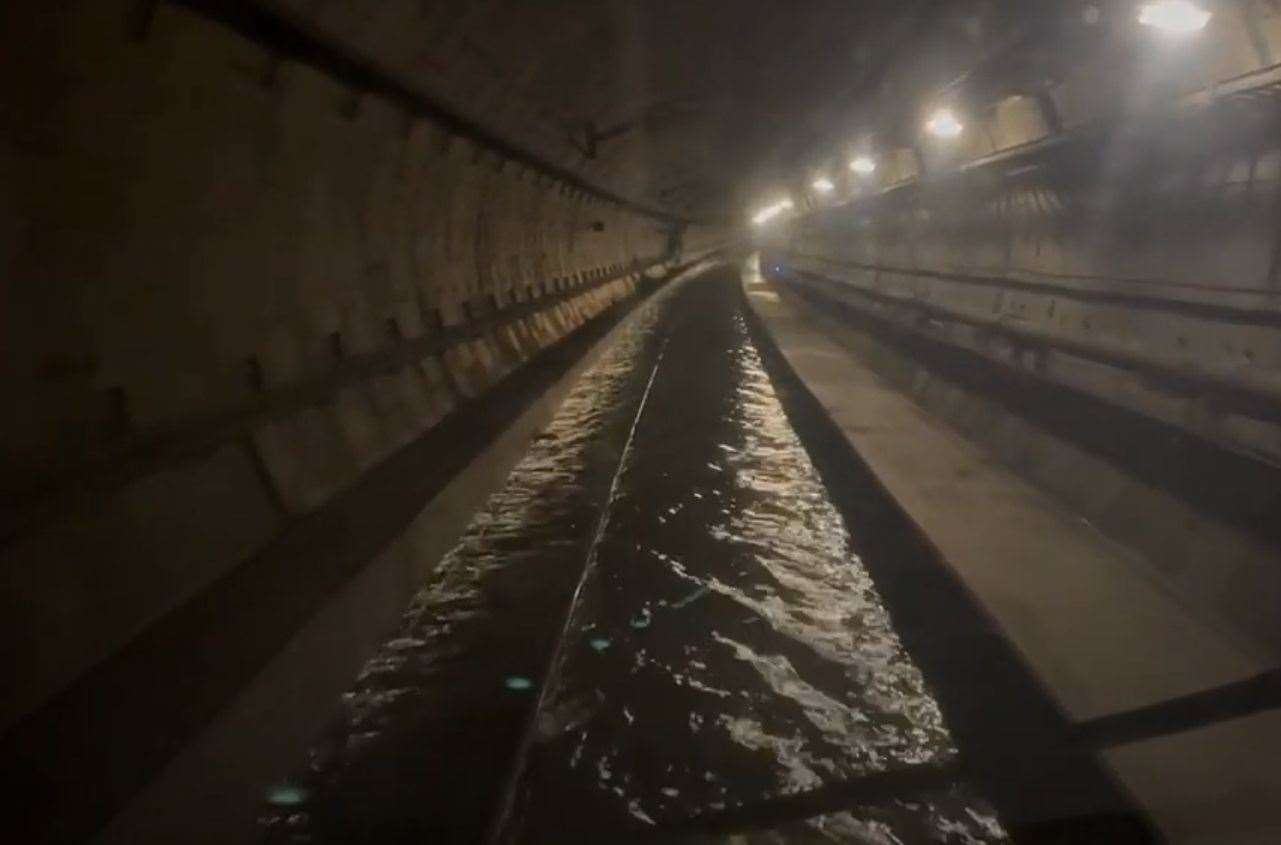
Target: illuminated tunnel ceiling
x,y
692,107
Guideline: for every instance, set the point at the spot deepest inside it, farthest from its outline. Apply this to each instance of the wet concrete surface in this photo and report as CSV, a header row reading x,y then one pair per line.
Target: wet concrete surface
x,y
660,616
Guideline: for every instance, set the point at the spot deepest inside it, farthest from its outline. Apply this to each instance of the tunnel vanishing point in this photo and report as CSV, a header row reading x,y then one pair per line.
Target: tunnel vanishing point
x,y
594,421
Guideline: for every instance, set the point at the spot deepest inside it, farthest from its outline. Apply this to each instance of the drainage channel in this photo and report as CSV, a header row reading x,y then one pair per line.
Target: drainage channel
x,y
660,618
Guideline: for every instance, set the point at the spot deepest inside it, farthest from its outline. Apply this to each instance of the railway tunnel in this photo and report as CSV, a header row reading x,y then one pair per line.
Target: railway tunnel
x,y
757,421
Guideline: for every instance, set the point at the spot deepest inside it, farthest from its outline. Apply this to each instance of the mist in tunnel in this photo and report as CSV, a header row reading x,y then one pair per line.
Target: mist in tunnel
x,y
567,421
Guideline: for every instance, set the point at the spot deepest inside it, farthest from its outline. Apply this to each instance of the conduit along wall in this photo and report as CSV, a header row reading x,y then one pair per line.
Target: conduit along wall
x,y
242,277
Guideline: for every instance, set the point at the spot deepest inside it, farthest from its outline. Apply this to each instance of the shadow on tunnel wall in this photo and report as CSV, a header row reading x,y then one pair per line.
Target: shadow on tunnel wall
x,y
243,273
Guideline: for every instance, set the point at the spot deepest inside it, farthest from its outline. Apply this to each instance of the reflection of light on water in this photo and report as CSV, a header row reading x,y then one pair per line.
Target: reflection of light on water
x,y
530,520
766,629
788,752
286,795
751,655
827,602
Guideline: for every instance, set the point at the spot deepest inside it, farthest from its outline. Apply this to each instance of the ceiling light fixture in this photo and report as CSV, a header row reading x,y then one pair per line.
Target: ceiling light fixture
x,y
769,212
823,185
863,165
943,124
1175,17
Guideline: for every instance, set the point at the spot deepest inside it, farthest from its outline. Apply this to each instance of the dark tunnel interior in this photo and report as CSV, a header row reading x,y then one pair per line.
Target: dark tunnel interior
x,y
603,421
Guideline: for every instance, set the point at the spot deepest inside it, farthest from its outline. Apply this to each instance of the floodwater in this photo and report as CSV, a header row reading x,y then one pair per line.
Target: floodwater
x,y
661,616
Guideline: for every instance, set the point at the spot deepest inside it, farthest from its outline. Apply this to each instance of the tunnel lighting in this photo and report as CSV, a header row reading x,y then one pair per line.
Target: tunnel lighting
x,y
1176,17
943,124
769,212
823,185
863,166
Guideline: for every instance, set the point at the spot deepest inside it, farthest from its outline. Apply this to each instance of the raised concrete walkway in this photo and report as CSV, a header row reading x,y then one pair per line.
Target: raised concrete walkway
x,y
1099,633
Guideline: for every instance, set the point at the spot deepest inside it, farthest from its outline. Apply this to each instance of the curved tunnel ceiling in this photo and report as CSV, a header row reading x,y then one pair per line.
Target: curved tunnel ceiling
x,y
693,108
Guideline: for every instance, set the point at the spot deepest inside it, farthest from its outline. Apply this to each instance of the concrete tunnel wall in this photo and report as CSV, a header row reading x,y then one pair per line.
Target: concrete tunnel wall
x,y
1128,209
234,285
1116,235
1063,260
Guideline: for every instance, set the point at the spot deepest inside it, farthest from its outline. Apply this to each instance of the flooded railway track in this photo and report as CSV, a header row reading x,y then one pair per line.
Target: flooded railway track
x,y
661,616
